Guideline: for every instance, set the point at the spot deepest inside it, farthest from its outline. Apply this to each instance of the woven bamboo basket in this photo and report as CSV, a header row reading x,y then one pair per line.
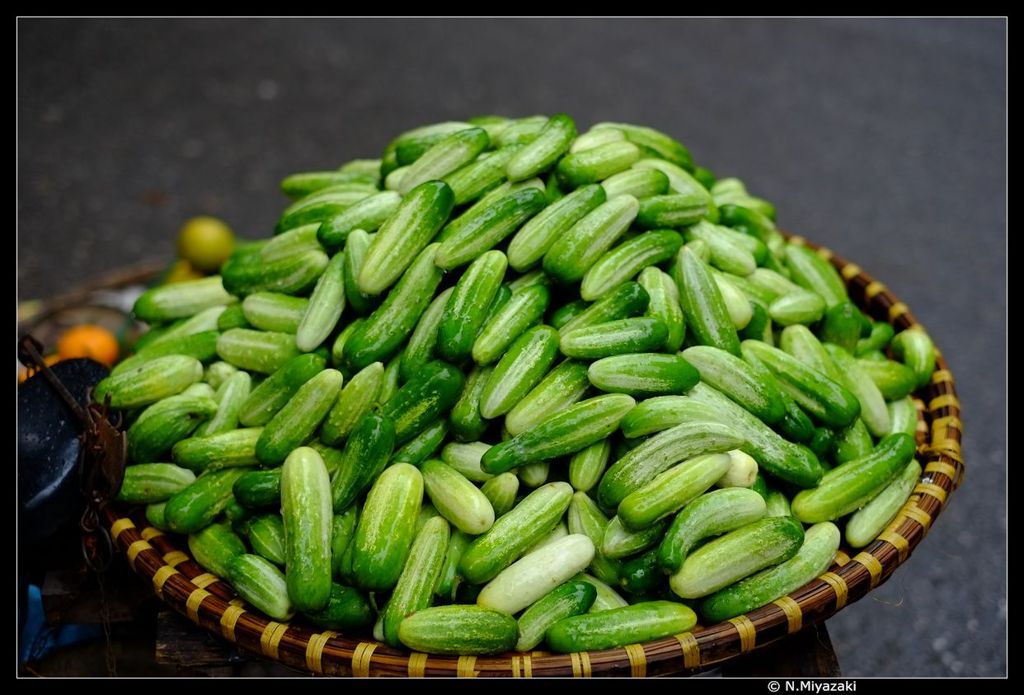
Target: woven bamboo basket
x,y
210,602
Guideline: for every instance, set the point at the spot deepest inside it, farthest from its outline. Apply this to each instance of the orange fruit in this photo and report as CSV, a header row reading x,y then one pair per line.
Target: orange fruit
x,y
206,243
88,341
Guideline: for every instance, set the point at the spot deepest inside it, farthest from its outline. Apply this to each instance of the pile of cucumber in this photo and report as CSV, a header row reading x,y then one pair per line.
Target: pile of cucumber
x,y
513,386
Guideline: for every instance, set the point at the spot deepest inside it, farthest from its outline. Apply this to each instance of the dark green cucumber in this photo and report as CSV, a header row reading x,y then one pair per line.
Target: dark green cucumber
x,y
537,236
596,164
485,225
195,507
564,433
703,306
368,214
643,374
346,609
522,310
366,453
165,423
464,313
467,424
415,588
575,597
423,445
853,484
259,489
519,370
672,489
458,630
424,399
638,334
295,423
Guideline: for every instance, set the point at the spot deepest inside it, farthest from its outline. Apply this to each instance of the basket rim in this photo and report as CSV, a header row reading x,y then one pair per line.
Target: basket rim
x,y
210,602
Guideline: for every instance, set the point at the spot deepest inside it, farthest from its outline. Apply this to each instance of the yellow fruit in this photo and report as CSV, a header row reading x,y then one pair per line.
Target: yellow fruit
x,y
180,271
206,243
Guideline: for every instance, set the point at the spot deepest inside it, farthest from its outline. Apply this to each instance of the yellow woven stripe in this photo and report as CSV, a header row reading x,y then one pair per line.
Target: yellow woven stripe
x,y
637,661
205,579
195,599
315,650
932,490
943,401
150,532
897,541
825,253
160,578
797,240
794,616
237,602
690,648
135,548
417,665
527,666
120,526
917,514
839,585
941,424
947,469
748,633
464,668
873,289
175,558
361,659
942,376
271,638
228,620
850,271
842,558
872,565
897,310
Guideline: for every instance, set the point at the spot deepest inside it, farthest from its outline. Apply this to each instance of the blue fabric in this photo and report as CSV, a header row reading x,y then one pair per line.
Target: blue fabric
x,y
39,639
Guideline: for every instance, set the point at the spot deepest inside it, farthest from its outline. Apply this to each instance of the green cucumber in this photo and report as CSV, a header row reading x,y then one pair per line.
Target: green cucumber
x,y
596,164
448,581
866,523
266,536
423,343
258,489
390,324
423,445
386,527
726,253
444,157
202,346
626,260
356,398
537,236
894,380
501,491
873,410
214,547
343,530
261,584
855,442
404,236
641,622
703,305
466,309
586,518
628,299
842,325
486,224
915,349
711,514
231,396
367,215
749,385
165,423
306,510
149,382
300,185
853,484
662,145
476,178
346,609
196,506
256,351
465,458
639,183
155,516
566,432
822,397
664,305
181,299
458,630
514,532
366,453
324,308
812,272
232,449
588,465
672,210
273,311
814,557
903,416
643,374
415,588
424,399
639,334
574,597
292,274
467,423
736,555
268,397
596,138
672,489
551,142
579,248
519,370
295,423
879,337
321,206
356,246
410,145
456,498
147,483
642,575
523,309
